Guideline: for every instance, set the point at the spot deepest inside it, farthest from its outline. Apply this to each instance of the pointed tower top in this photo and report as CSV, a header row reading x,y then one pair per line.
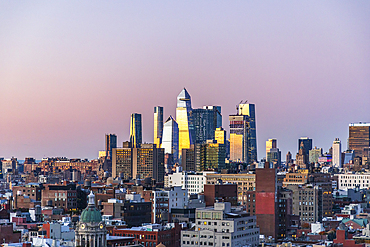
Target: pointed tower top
x,y
184,99
91,197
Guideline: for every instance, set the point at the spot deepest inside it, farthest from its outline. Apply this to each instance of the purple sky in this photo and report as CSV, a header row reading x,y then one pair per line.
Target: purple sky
x,y
71,72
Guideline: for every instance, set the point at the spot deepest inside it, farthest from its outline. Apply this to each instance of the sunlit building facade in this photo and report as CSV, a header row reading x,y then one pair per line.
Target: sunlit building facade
x,y
170,140
110,143
212,156
220,135
270,143
136,130
250,111
307,145
130,162
184,120
239,134
158,125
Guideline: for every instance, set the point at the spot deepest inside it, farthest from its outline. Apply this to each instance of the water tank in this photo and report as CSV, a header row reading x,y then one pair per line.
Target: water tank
x,y
87,183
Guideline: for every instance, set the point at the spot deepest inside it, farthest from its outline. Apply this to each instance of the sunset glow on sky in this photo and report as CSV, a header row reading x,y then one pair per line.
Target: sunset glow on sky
x,y
72,71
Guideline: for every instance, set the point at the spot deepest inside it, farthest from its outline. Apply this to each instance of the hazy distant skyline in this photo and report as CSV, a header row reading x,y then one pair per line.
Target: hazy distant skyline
x,y
73,71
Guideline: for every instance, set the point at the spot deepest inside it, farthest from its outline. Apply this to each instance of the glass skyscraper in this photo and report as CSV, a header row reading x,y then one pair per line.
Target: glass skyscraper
x,y
158,125
136,130
239,138
206,120
170,140
184,120
307,144
250,111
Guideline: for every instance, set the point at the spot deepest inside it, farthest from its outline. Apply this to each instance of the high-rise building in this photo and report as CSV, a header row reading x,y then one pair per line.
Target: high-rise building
x,y
184,120
288,159
307,144
337,153
206,120
274,157
239,139
212,156
158,125
110,143
359,137
136,130
220,135
270,143
170,140
131,162
302,157
314,155
250,111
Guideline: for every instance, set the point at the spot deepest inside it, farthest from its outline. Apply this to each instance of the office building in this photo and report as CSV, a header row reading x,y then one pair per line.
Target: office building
x,y
146,162
349,156
222,225
314,155
158,125
188,159
136,130
250,111
239,138
359,137
170,139
110,143
288,159
270,143
274,157
337,153
206,120
192,181
220,193
307,144
302,157
212,156
220,135
184,120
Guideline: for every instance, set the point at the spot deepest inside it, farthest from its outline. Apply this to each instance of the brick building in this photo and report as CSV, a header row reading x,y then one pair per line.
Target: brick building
x,y
221,193
62,196
152,235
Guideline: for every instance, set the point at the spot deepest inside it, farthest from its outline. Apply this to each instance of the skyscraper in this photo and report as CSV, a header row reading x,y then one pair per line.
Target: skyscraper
x,y
170,140
314,155
270,143
250,111
307,144
135,130
158,125
212,156
206,120
220,135
337,153
359,137
239,138
110,143
144,162
184,120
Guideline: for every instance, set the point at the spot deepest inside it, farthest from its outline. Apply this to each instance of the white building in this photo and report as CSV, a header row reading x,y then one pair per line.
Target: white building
x,y
193,182
337,153
222,226
351,181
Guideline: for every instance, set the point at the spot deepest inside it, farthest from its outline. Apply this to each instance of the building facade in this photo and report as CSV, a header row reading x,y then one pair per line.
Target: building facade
x,y
359,137
158,125
222,226
337,153
136,134
170,140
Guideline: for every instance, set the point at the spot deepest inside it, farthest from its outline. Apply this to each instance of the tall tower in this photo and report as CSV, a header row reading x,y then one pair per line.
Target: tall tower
x,y
184,120
206,120
337,153
158,125
110,143
250,111
239,138
91,230
135,130
359,137
270,143
307,144
170,140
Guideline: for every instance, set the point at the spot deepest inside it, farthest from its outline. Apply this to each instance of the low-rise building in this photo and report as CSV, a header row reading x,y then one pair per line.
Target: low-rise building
x,y
222,226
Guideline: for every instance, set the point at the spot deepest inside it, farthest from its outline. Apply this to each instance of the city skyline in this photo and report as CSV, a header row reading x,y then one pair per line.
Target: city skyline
x,y
68,78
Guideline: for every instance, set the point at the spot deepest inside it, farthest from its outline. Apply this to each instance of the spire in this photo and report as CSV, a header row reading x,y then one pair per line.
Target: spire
x,y
184,99
91,197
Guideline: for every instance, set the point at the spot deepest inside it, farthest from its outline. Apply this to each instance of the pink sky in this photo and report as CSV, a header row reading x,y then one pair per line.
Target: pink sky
x,y
71,72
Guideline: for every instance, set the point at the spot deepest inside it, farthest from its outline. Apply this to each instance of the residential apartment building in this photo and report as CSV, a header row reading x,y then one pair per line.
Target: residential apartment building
x,y
222,226
62,196
192,181
353,181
